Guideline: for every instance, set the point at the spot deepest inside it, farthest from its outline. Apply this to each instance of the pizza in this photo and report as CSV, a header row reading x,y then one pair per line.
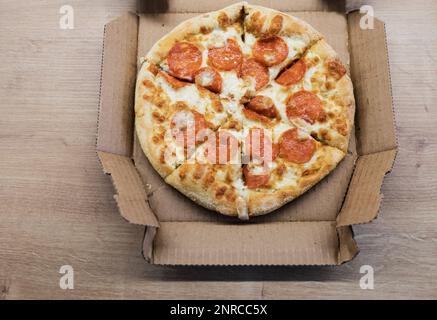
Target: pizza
x,y
243,109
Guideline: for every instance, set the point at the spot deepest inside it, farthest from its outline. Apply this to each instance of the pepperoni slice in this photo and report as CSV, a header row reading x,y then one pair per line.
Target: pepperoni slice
x,y
336,69
293,74
259,146
184,59
254,69
225,145
226,58
175,83
306,105
270,51
185,119
295,149
209,78
254,181
263,105
255,116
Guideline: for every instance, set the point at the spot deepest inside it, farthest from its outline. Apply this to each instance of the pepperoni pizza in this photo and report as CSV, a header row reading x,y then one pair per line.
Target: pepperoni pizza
x,y
243,109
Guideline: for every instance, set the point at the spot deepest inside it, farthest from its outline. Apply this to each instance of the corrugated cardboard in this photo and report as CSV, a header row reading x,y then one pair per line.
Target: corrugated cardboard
x,y
313,230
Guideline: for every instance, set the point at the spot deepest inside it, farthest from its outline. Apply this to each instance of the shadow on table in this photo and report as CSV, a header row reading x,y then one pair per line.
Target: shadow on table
x,y
152,6
246,273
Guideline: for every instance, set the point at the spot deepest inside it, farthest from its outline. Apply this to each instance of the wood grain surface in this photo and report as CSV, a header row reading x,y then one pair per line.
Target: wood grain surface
x,y
56,206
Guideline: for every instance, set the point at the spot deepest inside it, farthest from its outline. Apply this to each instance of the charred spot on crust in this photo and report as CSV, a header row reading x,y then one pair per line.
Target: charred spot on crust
x,y
162,156
183,172
147,97
148,84
157,116
324,134
330,85
198,171
228,178
341,127
205,30
223,20
310,172
153,69
220,191
156,139
275,25
335,69
209,179
160,100
256,22
280,170
230,195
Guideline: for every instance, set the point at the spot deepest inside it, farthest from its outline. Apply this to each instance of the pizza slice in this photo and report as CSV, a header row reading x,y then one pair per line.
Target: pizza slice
x,y
287,163
274,40
207,50
316,94
213,176
173,117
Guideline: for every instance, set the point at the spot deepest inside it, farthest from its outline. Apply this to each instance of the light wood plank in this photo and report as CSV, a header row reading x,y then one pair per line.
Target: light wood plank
x,y
56,206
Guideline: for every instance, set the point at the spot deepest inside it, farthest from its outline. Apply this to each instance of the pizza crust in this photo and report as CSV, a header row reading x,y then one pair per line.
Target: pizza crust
x,y
144,124
264,22
346,92
202,184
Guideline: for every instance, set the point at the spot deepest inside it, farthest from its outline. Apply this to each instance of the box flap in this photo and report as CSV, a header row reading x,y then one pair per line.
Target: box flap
x,y
183,6
371,77
363,198
214,243
149,237
347,248
131,196
115,126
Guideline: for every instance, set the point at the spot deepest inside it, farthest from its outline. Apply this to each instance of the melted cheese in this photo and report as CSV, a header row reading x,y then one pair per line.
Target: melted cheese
x,y
232,86
191,96
288,179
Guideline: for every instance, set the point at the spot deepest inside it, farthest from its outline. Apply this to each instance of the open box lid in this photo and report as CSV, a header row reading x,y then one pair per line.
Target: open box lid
x,y
214,240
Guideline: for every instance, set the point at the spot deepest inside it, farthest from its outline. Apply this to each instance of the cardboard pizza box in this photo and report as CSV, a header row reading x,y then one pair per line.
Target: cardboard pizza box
x,y
315,229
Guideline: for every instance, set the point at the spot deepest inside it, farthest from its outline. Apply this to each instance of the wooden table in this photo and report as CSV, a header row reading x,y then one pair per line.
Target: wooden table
x,y
56,206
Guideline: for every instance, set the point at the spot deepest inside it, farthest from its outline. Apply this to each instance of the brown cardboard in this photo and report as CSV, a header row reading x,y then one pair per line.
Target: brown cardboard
x,y
115,126
212,243
363,198
131,196
314,229
115,129
371,78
